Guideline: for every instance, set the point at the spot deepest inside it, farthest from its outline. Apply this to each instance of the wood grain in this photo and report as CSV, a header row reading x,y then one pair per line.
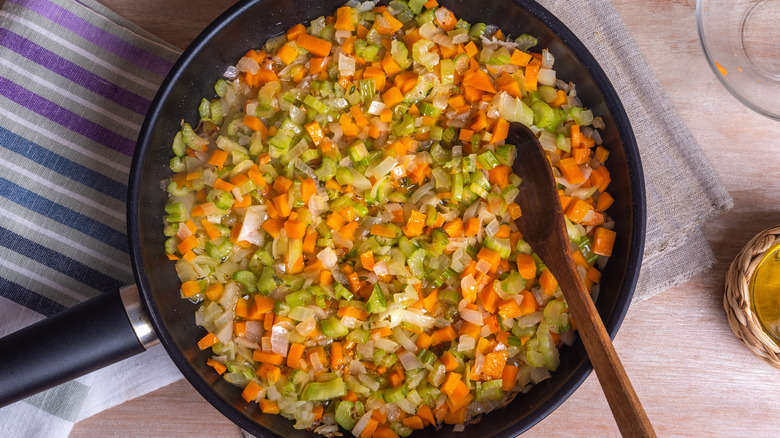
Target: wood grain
x,y
693,376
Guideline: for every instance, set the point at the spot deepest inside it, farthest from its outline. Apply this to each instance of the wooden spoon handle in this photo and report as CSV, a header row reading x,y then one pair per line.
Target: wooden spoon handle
x,y
629,414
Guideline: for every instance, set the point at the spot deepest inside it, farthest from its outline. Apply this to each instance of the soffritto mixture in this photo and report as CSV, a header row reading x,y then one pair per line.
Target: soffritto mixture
x,y
344,215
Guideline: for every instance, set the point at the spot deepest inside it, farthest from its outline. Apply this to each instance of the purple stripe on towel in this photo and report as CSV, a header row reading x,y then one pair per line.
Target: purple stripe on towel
x,y
74,72
97,36
66,118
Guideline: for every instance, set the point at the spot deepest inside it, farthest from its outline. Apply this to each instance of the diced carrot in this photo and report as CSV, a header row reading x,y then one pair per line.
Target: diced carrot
x,y
489,298
490,256
314,45
295,229
424,340
603,241
571,171
267,357
251,391
215,291
604,202
187,244
509,377
449,361
287,53
357,114
294,32
531,76
379,77
315,132
508,308
295,354
526,266
344,19
520,58
471,49
367,260
471,227
577,210
479,80
414,422
548,283
445,334
370,428
425,413
190,288
218,366
500,131
218,158
207,341
454,228
581,155
268,406
273,226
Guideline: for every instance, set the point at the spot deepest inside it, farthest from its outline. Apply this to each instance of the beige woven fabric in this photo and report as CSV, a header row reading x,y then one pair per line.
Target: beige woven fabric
x,y
682,189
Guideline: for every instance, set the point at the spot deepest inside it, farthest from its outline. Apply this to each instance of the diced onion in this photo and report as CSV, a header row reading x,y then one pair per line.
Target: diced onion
x,y
409,360
328,258
280,340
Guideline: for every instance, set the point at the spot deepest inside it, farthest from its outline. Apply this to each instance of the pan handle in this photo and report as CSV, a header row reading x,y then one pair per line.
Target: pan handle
x,y
94,334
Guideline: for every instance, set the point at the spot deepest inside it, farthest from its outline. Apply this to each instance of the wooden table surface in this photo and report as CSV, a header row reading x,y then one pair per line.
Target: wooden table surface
x,y
691,373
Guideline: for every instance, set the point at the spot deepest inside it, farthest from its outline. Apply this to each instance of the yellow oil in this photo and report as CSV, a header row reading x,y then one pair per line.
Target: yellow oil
x,y
765,292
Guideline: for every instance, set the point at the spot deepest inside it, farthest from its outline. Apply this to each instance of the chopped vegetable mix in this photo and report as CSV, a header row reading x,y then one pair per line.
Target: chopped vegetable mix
x,y
343,215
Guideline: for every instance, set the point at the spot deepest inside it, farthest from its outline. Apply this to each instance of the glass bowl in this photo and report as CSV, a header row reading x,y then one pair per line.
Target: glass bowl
x,y
741,40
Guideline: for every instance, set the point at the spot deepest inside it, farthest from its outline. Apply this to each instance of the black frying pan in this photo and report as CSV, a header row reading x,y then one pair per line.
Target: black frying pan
x,y
108,328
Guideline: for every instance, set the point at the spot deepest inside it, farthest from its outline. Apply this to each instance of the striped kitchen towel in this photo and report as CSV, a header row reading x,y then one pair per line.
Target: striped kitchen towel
x,y
75,83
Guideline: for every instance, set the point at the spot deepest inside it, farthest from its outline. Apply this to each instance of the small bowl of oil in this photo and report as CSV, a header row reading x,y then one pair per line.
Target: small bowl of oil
x,y
752,298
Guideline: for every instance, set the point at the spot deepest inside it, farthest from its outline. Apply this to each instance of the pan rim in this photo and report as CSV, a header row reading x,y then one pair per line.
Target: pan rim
x,y
636,244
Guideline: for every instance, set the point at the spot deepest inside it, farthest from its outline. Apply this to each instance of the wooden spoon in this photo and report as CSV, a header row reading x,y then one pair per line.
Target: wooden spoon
x,y
544,229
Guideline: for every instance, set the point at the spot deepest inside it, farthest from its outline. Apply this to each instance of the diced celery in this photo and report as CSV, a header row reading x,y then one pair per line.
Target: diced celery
x,y
376,302
318,391
333,328
246,279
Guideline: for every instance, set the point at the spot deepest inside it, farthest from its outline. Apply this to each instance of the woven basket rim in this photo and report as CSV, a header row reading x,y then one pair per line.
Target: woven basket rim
x,y
736,300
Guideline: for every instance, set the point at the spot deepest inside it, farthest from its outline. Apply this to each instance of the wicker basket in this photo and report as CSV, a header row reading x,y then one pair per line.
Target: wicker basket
x,y
737,303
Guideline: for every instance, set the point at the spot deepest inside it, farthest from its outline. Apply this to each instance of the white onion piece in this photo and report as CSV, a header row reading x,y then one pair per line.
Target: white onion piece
x,y
546,77
376,107
419,193
547,59
404,340
466,343
340,240
346,65
248,65
328,258
361,424
423,321
409,361
244,342
254,331
356,368
471,316
384,167
359,181
368,382
483,266
479,362
386,344
316,363
225,334
280,340
307,326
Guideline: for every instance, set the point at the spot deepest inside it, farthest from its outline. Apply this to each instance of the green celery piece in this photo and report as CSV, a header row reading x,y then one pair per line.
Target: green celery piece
x,y
266,284
246,279
490,390
376,302
344,414
319,391
179,147
333,328
415,263
392,395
